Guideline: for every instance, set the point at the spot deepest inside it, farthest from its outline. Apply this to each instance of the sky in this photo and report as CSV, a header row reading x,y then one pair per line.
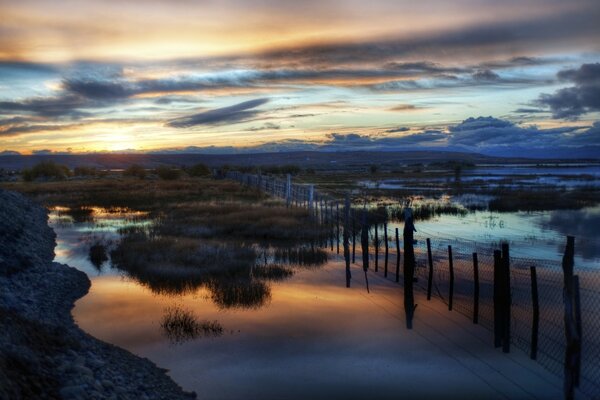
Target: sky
x,y
206,76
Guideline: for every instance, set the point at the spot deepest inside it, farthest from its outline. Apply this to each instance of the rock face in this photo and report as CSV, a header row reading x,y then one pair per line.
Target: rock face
x,y
26,239
43,354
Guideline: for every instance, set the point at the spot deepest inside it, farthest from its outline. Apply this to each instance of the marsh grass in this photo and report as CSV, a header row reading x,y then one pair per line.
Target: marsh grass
x,y
180,325
244,293
272,272
300,255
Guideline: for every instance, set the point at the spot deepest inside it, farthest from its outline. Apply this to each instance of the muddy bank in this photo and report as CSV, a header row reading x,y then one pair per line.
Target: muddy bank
x,y
43,354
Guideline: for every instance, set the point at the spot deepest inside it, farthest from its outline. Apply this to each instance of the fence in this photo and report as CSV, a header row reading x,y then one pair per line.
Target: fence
x,y
536,305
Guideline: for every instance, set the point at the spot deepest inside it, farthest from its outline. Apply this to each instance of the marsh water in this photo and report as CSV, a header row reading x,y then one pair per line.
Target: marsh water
x,y
306,338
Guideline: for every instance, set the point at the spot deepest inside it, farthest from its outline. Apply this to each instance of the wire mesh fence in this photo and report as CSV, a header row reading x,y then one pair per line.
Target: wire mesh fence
x,y
468,284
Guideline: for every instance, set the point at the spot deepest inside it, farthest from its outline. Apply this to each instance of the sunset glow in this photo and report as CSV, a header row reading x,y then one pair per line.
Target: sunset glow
x,y
236,75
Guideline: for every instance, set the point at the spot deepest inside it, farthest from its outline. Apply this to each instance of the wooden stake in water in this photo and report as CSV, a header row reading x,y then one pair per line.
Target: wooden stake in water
x,y
364,235
346,239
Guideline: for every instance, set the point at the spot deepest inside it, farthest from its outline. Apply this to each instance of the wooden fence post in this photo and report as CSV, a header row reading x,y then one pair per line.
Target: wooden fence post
x,y
311,195
506,298
397,256
475,289
385,239
376,249
353,236
536,314
497,308
364,236
572,331
346,238
430,261
451,271
331,225
288,190
409,268
337,234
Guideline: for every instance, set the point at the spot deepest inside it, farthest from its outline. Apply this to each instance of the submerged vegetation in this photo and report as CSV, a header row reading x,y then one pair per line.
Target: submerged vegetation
x,y
180,325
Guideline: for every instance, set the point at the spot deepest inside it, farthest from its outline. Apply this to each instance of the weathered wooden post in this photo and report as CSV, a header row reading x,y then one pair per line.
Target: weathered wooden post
x,y
331,225
385,239
409,267
497,301
506,298
311,195
376,249
288,190
451,271
346,239
430,263
572,331
475,289
364,236
353,236
535,324
397,256
337,233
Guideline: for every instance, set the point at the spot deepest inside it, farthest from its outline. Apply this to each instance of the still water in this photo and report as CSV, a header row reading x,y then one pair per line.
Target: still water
x,y
313,338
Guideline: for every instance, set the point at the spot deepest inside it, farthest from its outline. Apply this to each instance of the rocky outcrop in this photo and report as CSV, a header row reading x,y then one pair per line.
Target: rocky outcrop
x,y
25,237
43,354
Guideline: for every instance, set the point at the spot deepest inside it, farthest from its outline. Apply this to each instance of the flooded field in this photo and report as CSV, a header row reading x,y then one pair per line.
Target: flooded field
x,y
312,337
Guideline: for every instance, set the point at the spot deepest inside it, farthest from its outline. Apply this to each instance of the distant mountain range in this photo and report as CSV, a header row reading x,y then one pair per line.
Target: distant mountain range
x,y
316,159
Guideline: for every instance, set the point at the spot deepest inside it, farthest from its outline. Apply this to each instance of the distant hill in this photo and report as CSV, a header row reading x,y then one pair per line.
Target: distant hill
x,y
312,159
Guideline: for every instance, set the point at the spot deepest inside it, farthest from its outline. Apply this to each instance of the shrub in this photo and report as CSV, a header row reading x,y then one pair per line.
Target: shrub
x,y
198,170
46,170
168,173
135,170
85,171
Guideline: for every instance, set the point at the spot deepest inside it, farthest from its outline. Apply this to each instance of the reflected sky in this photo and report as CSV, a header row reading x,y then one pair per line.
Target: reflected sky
x,y
315,339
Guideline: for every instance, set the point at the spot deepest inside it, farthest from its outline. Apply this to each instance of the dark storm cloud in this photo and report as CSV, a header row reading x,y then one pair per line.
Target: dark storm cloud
x,y
226,115
574,101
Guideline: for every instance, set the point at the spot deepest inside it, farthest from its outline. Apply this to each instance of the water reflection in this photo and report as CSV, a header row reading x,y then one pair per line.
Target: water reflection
x,y
180,325
583,224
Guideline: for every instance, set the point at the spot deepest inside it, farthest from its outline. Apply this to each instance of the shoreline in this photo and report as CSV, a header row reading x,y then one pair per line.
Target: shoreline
x,y
43,353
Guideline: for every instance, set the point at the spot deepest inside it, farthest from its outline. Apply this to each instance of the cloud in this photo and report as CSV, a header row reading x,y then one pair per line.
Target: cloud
x,y
397,130
575,101
405,107
265,127
486,75
9,153
64,105
219,116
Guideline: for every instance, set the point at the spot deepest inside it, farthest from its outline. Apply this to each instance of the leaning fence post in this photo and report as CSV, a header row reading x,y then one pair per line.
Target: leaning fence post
x,y
535,302
385,238
451,270
430,261
475,289
397,256
346,237
506,301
